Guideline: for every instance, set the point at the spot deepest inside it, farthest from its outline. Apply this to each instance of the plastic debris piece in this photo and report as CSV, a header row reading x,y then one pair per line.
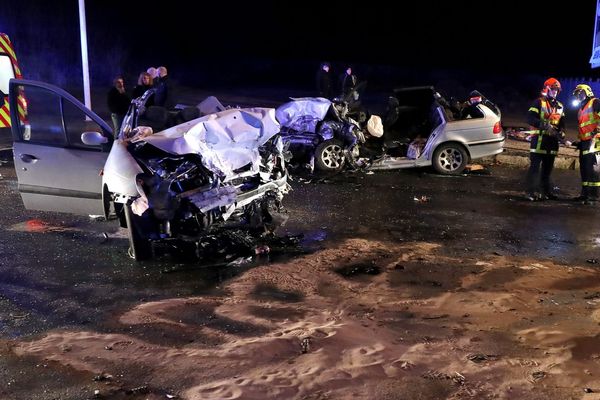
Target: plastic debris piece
x,y
477,358
537,375
264,249
305,345
240,261
422,199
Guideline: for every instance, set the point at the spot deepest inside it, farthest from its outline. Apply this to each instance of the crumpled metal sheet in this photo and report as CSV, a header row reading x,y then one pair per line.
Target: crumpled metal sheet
x,y
227,140
302,114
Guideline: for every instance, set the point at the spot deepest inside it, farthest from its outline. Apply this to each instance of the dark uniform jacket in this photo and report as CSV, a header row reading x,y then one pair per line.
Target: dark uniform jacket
x,y
546,140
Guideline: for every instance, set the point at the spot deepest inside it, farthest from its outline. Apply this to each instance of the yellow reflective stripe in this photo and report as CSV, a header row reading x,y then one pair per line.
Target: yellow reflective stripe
x,y
593,148
553,152
5,113
8,47
4,119
590,183
539,143
537,110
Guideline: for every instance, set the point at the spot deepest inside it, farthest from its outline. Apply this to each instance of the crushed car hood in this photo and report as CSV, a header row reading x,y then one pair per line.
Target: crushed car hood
x,y
227,140
302,114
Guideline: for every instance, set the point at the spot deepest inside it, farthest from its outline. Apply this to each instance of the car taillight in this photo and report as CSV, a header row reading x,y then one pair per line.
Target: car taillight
x,y
497,127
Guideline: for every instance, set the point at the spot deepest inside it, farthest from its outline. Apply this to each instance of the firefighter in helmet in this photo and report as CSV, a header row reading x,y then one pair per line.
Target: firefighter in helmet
x,y
546,120
589,136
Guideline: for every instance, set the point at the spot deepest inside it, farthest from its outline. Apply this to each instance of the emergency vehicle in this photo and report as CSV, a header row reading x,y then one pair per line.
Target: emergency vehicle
x,y
9,68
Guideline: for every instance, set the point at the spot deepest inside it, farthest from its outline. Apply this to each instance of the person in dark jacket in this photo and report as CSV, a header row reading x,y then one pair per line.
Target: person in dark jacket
x,y
118,103
162,97
588,143
546,120
348,82
323,80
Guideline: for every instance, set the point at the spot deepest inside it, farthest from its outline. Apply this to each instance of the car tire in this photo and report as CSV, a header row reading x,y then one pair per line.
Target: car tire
x,y
140,248
450,159
329,155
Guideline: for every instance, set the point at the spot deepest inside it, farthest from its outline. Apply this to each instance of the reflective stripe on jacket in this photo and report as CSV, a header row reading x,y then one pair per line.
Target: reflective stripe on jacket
x,y
588,120
548,114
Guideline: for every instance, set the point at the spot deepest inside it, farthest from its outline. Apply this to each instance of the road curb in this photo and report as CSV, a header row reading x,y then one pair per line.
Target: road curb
x,y
521,160
516,154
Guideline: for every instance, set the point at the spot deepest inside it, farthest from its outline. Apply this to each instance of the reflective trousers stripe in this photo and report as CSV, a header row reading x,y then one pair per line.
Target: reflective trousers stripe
x,y
590,184
540,151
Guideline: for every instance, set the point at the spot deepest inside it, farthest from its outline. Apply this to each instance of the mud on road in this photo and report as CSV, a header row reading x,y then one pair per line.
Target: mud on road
x,y
410,286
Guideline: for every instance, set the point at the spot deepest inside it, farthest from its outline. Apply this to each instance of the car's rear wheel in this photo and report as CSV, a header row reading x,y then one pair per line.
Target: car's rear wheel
x,y
329,155
450,159
140,247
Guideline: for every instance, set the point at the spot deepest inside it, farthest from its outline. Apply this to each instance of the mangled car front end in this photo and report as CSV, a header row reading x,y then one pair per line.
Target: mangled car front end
x,y
221,170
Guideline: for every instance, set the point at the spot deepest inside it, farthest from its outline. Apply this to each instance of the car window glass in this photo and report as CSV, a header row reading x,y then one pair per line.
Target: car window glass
x,y
76,123
43,119
6,72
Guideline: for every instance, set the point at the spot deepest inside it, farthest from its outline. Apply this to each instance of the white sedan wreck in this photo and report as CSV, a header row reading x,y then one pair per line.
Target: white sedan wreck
x,y
220,170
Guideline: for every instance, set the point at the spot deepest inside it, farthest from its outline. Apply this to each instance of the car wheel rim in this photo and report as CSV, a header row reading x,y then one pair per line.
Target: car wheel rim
x,y
451,159
332,156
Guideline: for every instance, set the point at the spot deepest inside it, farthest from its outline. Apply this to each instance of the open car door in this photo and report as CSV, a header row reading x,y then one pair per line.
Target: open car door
x,y
56,171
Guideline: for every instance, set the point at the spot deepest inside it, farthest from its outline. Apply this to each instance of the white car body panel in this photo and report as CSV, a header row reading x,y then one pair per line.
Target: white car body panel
x,y
475,134
73,185
120,171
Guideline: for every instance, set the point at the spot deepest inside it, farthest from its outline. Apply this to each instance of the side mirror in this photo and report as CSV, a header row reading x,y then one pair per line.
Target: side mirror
x,y
93,138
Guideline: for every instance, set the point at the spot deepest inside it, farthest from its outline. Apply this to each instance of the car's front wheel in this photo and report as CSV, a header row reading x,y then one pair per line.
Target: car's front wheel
x,y
329,155
450,159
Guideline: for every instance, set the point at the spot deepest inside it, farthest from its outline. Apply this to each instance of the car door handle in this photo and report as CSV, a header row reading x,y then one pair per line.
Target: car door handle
x,y
28,158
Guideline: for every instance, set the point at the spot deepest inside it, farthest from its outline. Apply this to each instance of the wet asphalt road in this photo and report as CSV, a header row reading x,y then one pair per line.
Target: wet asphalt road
x,y
60,271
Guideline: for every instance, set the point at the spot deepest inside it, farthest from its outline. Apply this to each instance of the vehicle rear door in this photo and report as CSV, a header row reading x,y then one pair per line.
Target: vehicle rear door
x,y
56,171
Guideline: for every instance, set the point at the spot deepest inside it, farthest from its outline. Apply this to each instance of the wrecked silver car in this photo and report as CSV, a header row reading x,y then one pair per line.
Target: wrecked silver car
x,y
221,170
417,130
422,129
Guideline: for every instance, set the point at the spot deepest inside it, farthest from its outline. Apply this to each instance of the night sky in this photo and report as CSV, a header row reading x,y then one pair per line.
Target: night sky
x,y
284,40
522,35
